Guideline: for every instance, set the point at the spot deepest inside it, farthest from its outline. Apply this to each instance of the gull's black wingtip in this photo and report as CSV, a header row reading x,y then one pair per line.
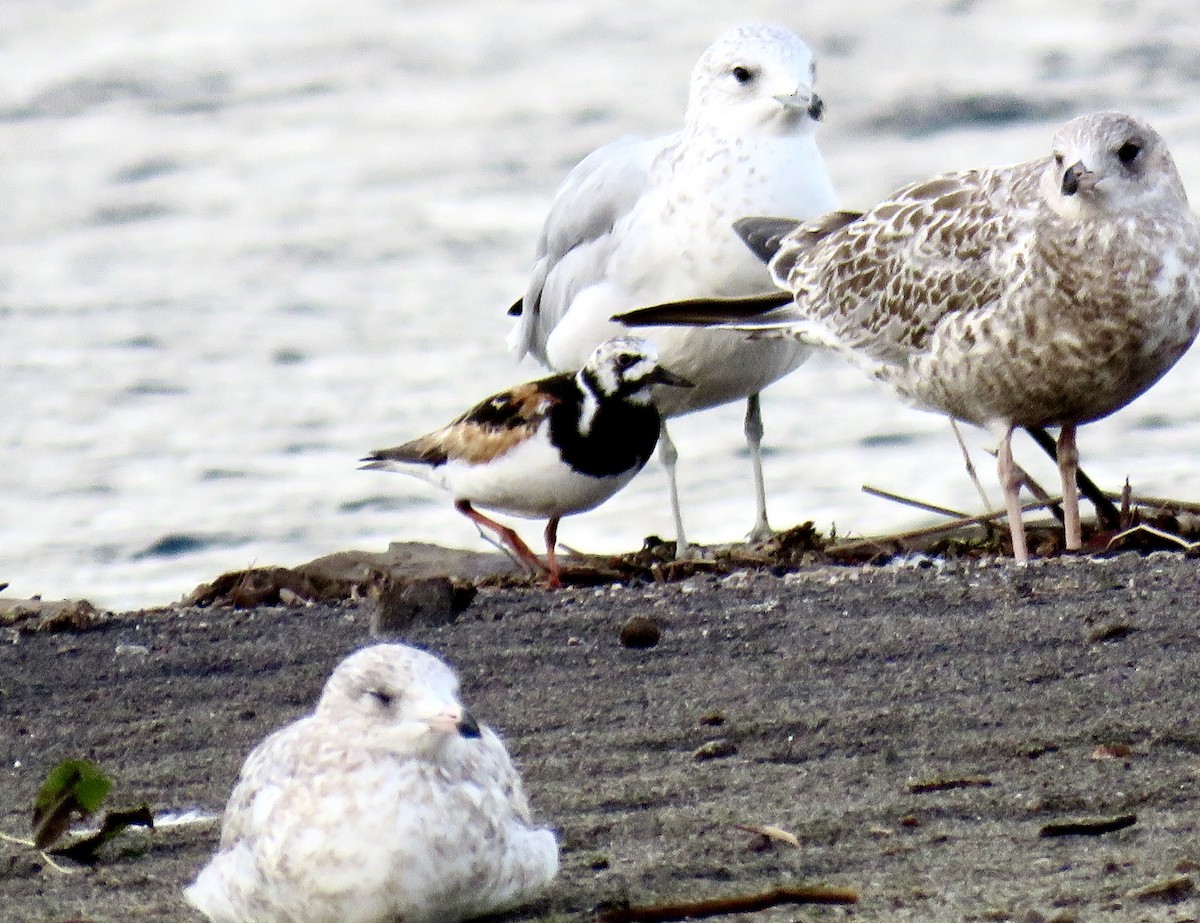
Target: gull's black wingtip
x,y
660,315
763,235
703,312
517,308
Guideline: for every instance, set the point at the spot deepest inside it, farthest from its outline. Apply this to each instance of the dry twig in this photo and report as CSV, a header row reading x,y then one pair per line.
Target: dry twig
x,y
719,906
909,501
928,531
921,786
1089,826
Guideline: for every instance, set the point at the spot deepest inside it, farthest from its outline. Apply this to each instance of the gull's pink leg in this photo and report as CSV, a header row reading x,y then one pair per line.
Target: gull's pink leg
x,y
1068,465
1010,482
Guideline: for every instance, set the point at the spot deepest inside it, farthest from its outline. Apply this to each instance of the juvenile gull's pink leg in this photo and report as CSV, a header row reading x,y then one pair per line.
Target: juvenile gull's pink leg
x,y
1068,465
1010,482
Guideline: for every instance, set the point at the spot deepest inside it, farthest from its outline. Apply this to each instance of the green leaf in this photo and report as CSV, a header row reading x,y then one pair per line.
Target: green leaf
x,y
74,788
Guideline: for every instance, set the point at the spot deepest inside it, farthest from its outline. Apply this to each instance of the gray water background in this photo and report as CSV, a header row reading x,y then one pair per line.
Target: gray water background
x,y
243,243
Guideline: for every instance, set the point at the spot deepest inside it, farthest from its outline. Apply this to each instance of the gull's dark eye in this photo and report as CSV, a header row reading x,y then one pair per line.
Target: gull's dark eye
x,y
1127,153
742,74
1058,160
383,698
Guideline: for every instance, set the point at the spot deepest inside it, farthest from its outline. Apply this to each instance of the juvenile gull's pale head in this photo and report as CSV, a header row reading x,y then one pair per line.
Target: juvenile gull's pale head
x,y
397,698
1110,163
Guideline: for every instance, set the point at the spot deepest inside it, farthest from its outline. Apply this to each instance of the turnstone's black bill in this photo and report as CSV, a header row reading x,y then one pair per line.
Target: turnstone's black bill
x,y
1050,293
547,448
643,221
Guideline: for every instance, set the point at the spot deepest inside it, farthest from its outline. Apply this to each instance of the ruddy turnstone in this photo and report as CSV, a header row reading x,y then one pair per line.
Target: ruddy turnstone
x,y
389,802
548,448
644,221
1050,293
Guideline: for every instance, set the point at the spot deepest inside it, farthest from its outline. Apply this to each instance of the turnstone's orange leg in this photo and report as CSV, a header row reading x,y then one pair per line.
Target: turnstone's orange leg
x,y
551,557
507,535
1068,463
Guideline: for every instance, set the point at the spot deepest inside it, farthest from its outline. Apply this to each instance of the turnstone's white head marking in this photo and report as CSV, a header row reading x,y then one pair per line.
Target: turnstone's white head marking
x,y
389,802
627,367
1052,292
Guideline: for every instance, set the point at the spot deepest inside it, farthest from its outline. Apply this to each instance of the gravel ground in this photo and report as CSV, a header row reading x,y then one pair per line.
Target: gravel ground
x,y
827,700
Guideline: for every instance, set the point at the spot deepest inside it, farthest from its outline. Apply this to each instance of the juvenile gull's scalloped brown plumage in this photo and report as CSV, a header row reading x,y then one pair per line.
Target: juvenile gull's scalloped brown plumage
x,y
1051,292
388,803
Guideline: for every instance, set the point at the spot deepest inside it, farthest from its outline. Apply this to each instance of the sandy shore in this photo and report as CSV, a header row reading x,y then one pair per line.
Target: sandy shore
x,y
1063,691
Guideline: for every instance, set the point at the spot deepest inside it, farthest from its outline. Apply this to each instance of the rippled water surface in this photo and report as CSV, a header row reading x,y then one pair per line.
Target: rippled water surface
x,y
243,243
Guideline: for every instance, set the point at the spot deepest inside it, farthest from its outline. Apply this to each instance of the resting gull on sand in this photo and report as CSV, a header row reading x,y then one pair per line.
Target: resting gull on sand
x,y
389,802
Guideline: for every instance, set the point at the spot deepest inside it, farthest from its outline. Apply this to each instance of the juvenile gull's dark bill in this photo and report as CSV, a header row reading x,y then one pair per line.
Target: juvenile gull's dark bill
x,y
389,802
644,221
1050,293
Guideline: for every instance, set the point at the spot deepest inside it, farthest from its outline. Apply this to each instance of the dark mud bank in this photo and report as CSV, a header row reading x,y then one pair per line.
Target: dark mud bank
x,y
915,728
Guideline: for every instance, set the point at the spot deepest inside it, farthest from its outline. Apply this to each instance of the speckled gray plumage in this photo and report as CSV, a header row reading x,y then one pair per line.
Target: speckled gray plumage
x,y
374,810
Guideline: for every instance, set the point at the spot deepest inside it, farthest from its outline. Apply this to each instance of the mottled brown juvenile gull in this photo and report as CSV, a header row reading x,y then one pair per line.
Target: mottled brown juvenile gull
x,y
1050,293
642,221
388,803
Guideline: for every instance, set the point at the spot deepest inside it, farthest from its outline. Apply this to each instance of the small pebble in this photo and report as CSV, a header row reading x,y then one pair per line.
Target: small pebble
x,y
640,631
1166,889
715,749
292,598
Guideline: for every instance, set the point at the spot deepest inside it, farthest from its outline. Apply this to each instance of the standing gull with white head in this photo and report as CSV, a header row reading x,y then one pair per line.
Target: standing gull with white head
x,y
645,221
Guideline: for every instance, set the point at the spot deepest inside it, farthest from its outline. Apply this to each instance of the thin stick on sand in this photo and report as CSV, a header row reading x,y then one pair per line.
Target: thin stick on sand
x,y
720,906
971,472
1182,506
935,530
909,501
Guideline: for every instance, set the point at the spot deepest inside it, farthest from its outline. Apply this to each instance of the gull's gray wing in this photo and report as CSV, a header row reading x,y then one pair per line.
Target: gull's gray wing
x,y
577,238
